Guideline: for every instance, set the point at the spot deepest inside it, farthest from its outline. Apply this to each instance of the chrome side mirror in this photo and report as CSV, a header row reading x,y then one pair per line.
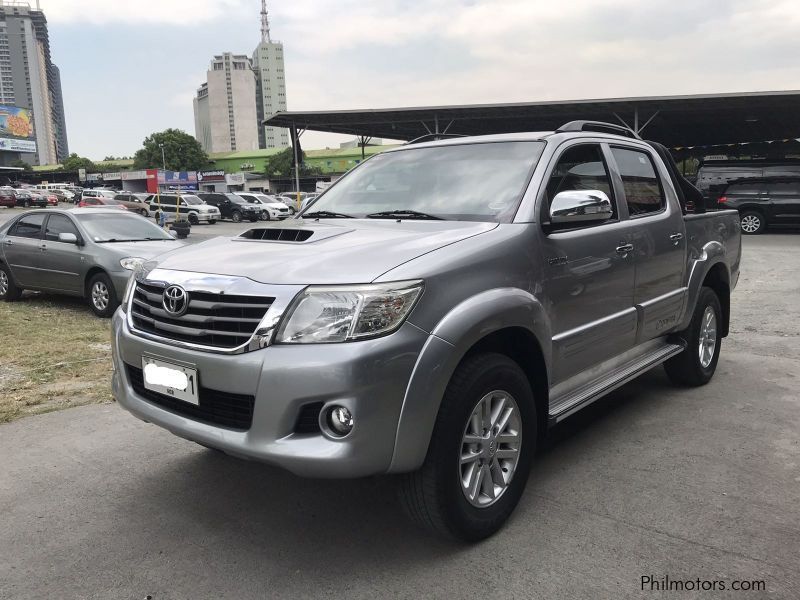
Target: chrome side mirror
x,y
580,206
68,238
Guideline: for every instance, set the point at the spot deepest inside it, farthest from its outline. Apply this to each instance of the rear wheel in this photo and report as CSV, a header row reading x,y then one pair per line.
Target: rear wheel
x,y
695,366
8,289
236,216
753,222
212,221
193,220
102,296
480,452
143,212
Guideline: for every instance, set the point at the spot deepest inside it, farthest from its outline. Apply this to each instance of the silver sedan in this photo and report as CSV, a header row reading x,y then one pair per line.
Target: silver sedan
x,y
88,252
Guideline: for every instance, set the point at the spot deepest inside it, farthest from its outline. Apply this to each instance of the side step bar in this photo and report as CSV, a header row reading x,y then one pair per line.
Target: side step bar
x,y
594,390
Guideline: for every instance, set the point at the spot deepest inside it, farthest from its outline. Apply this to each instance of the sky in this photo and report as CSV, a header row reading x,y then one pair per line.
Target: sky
x,y
131,68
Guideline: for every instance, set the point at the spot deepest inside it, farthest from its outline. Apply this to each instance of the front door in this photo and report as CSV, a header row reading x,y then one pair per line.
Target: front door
x,y
21,249
60,262
589,272
658,239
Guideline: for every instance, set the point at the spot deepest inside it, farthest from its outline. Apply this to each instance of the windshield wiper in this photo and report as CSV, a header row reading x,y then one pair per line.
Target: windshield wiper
x,y
145,239
402,214
327,214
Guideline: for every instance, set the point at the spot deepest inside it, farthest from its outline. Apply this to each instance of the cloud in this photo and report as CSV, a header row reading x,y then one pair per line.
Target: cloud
x,y
129,12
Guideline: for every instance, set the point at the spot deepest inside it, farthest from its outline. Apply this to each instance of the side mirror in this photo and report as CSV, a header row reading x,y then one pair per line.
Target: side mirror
x,y
68,238
580,206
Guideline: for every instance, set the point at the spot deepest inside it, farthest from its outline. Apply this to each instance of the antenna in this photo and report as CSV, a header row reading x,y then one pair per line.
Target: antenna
x,y
264,22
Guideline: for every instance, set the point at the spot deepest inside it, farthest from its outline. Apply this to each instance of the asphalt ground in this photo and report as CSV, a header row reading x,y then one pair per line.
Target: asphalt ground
x,y
700,486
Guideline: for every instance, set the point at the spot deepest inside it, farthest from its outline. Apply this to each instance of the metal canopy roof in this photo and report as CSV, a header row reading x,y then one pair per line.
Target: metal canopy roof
x,y
675,121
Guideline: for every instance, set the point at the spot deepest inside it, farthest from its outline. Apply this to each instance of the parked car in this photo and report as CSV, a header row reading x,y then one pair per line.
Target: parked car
x,y
433,313
189,206
95,193
63,195
88,252
137,202
270,207
94,201
763,202
231,206
714,175
27,197
8,197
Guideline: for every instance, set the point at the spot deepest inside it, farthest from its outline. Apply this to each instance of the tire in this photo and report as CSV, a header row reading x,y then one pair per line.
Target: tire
x,y
753,222
695,366
193,220
8,289
236,216
102,296
25,204
435,496
212,221
264,216
143,212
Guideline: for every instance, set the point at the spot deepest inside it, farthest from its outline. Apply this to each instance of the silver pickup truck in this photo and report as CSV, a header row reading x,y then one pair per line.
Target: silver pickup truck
x,y
433,313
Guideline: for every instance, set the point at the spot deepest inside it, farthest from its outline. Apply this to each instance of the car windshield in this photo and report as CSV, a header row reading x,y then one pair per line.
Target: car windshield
x,y
107,227
235,199
110,201
470,182
191,199
107,193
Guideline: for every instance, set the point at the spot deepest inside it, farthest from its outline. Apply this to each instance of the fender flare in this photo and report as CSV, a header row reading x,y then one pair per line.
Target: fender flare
x,y
711,254
448,343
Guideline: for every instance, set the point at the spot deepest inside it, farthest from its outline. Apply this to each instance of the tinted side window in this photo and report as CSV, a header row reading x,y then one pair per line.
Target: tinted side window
x,y
29,226
784,188
744,188
643,191
581,168
59,224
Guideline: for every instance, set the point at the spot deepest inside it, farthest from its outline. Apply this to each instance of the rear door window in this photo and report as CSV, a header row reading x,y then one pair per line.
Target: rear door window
x,y
29,226
644,193
748,188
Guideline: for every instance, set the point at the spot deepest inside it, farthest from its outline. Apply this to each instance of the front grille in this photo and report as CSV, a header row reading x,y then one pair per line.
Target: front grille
x,y
217,320
233,411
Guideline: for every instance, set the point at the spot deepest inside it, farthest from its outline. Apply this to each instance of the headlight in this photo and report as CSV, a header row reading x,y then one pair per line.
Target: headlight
x,y
323,314
131,263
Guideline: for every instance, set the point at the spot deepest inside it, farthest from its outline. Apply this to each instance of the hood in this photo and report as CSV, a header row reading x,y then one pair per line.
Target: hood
x,y
146,249
333,251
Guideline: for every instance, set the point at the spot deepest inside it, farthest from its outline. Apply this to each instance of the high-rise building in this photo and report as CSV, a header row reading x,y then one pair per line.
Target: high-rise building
x,y
29,80
270,85
225,113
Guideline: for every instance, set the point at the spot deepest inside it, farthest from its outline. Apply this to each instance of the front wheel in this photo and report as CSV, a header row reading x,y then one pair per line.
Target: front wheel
x,y
480,452
193,220
143,212
212,221
695,366
102,296
753,223
236,216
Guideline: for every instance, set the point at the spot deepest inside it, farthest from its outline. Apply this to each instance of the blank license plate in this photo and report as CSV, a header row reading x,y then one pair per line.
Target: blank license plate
x,y
170,379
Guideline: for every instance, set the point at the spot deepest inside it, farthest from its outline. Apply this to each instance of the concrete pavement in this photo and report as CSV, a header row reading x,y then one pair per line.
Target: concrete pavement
x,y
651,481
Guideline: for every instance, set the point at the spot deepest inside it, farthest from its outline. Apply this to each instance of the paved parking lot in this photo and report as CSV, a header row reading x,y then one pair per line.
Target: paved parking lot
x,y
651,481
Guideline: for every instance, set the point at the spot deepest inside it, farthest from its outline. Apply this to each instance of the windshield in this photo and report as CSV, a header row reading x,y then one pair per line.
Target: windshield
x,y
107,193
120,227
235,199
469,182
193,200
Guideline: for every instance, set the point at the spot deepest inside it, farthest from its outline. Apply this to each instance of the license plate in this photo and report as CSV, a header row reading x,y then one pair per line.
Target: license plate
x,y
170,379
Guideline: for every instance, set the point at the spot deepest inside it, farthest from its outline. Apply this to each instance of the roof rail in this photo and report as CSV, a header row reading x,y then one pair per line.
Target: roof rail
x,y
428,137
598,125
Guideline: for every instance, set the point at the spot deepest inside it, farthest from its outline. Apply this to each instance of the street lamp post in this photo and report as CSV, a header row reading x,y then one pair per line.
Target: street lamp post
x,y
163,157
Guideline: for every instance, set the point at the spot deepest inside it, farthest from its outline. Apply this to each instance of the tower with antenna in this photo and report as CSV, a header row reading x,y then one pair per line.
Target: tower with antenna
x,y
270,84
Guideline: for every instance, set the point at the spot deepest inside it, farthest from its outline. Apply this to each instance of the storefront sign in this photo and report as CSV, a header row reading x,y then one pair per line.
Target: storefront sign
x,y
211,176
234,178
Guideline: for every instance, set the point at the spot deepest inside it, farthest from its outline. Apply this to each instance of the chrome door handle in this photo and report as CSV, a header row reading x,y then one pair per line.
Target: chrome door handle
x,y
624,248
676,238
43,247
8,243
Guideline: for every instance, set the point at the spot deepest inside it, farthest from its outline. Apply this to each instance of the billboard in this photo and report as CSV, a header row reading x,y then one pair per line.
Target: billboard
x,y
16,130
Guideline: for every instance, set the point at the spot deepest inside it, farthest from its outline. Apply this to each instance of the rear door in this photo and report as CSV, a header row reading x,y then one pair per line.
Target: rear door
x,y
589,270
21,249
784,201
658,238
61,262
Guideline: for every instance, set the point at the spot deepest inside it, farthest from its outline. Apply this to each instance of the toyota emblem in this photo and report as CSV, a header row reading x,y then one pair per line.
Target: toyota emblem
x,y
175,300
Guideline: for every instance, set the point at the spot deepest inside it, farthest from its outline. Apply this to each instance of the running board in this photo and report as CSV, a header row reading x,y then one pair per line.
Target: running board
x,y
594,390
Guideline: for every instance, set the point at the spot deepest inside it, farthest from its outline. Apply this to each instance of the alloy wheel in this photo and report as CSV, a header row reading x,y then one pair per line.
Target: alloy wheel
x,y
750,223
490,448
100,295
707,344
3,283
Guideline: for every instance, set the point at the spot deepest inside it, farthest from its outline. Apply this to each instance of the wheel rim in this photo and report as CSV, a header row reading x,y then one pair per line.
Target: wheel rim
x,y
236,217
100,295
750,223
3,283
489,450
707,344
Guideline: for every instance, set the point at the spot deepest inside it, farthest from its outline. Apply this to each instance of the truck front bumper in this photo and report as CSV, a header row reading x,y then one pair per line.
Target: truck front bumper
x,y
368,377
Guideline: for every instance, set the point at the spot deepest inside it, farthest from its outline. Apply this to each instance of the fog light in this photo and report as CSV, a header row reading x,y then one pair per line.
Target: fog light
x,y
340,420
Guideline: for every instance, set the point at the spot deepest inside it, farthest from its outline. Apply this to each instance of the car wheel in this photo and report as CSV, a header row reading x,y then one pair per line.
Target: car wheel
x,y
753,223
193,220
212,221
8,289
143,212
25,204
236,216
480,451
264,216
695,366
102,296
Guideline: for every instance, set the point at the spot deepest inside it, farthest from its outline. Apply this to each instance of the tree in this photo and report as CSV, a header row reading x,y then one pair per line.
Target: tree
x,y
110,157
74,162
181,152
21,163
282,165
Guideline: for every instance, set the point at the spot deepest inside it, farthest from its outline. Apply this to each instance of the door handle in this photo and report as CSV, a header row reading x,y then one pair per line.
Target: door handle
x,y
676,238
8,243
43,247
624,248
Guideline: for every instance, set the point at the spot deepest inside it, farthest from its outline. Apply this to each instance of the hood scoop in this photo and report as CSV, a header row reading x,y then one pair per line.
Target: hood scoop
x,y
273,234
